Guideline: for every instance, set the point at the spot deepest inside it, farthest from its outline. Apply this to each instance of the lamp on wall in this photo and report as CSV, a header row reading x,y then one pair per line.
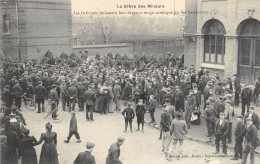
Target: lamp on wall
x,y
251,13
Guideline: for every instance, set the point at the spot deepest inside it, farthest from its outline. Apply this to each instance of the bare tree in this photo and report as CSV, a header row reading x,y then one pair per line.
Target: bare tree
x,y
106,26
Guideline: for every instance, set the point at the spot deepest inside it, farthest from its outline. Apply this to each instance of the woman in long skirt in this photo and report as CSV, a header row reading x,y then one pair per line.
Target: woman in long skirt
x,y
49,153
28,152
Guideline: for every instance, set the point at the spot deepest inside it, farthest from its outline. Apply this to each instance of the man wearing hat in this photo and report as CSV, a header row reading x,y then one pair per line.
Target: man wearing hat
x,y
179,100
54,99
151,108
7,97
254,116
114,152
237,89
117,94
221,132
18,92
190,107
165,125
246,97
210,118
73,96
90,99
251,141
239,135
86,157
140,112
229,113
129,115
40,95
169,96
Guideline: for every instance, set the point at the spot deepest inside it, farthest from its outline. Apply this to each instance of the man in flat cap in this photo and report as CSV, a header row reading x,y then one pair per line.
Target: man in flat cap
x,y
239,135
254,116
114,152
251,141
7,97
86,157
40,95
221,132
117,94
129,115
73,96
210,118
229,114
140,112
54,99
190,107
246,97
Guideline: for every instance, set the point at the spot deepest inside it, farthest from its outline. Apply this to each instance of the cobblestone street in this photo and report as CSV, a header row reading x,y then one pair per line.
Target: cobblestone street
x,y
139,148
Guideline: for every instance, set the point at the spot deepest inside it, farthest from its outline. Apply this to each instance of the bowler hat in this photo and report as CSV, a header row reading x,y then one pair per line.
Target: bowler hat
x,y
120,139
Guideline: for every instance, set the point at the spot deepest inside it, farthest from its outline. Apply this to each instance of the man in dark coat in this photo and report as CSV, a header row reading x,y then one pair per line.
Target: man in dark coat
x,y
140,112
40,95
237,88
63,93
114,152
179,100
210,118
81,89
239,135
73,96
129,115
250,141
90,98
151,107
246,96
86,157
7,97
18,92
168,95
254,116
221,132
190,107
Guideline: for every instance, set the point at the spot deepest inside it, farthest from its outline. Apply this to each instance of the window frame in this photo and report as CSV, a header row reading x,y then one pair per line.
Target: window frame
x,y
216,54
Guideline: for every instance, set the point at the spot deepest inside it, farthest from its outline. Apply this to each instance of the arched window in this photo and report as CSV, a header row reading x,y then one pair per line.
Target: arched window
x,y
214,42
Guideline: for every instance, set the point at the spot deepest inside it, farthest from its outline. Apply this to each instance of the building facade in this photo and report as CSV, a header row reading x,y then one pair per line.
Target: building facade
x,y
29,28
227,37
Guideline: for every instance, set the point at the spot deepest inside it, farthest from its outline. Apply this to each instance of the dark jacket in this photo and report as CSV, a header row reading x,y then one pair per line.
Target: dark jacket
x,y
246,95
73,124
40,93
89,97
222,129
128,113
251,135
209,114
85,158
255,119
152,105
7,97
240,131
165,122
140,110
113,154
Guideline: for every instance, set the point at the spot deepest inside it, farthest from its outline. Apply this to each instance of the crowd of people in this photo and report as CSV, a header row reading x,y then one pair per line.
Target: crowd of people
x,y
134,85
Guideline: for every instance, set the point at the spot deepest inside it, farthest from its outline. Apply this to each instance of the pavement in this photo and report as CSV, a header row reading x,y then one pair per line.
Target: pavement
x,y
138,148
199,132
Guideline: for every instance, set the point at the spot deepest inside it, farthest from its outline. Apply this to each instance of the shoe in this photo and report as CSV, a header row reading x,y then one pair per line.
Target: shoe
x,y
142,131
131,131
216,152
38,112
234,158
78,141
125,131
137,130
66,141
